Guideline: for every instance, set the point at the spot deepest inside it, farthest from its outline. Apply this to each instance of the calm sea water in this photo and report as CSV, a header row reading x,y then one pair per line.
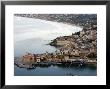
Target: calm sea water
x,y
56,71
33,35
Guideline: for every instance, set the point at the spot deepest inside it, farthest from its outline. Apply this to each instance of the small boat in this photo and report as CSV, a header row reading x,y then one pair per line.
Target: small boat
x,y
70,74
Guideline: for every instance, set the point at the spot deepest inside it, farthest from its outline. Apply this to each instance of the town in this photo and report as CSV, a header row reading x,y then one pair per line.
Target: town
x,y
85,20
77,49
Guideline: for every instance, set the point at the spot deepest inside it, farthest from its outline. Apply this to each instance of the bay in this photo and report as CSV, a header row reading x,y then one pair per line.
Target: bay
x,y
32,35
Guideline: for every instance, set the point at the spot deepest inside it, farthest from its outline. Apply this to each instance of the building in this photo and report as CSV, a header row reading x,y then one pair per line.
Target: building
x,y
38,59
28,58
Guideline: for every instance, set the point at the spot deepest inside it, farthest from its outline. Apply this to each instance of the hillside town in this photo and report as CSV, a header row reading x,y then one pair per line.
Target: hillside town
x,y
79,48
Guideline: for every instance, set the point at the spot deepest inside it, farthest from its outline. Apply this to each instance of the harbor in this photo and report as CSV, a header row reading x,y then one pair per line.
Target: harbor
x,y
69,51
77,49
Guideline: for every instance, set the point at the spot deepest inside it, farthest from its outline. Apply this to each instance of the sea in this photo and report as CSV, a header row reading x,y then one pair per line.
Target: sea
x,y
33,36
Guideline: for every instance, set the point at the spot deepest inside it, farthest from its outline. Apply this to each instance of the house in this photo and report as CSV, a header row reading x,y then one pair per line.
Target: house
x,y
37,59
28,58
82,33
66,57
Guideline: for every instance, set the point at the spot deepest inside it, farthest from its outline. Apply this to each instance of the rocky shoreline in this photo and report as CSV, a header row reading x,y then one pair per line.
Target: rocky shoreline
x,y
78,49
73,63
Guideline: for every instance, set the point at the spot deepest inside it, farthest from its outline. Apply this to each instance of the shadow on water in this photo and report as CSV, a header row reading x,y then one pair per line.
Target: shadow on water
x,y
92,67
66,65
57,70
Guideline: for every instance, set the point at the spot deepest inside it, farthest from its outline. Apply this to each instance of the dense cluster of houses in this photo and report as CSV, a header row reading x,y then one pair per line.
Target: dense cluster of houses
x,y
46,57
77,46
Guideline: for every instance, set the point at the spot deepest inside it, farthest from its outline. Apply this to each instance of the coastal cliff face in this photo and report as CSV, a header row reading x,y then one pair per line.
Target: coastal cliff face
x,y
82,44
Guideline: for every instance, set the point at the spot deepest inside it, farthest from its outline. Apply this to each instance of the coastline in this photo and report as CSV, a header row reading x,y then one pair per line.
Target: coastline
x,y
73,49
80,20
64,56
